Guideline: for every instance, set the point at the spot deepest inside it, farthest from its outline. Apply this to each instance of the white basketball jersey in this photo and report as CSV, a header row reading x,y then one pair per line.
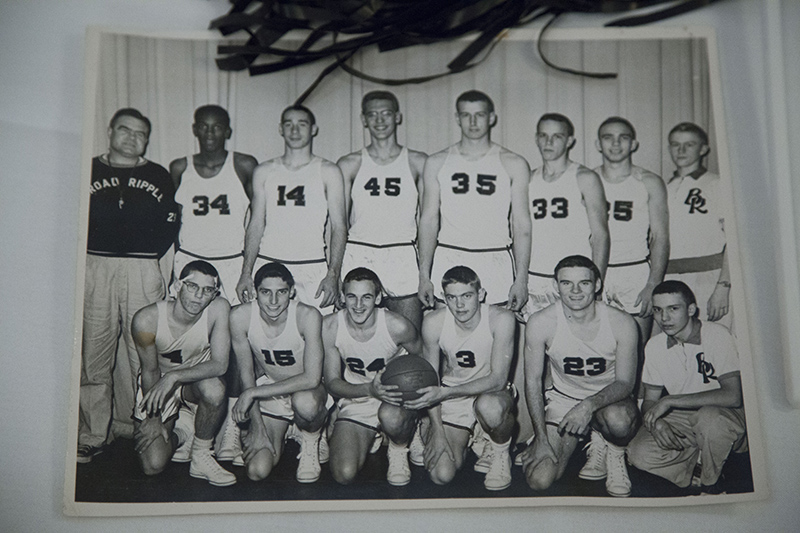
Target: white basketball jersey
x,y
362,360
279,357
560,226
628,218
190,349
466,358
384,202
475,201
695,214
297,211
213,213
582,368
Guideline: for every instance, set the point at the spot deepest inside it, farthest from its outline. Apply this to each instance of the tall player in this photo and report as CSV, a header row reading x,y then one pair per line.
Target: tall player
x,y
638,221
569,214
293,197
359,340
183,346
213,187
381,184
473,187
477,341
698,254
591,351
281,339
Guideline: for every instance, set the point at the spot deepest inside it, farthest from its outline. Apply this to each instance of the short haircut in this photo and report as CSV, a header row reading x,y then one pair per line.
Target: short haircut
x,y
380,95
302,108
690,127
274,270
558,117
475,96
363,274
131,112
213,109
203,267
461,274
673,286
577,261
617,120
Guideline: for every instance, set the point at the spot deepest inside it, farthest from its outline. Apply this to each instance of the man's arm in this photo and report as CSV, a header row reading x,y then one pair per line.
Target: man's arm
x,y
349,165
659,239
729,394
143,331
577,419
416,161
176,170
519,171
404,333
719,302
428,230
334,381
594,199
334,193
537,333
245,165
245,288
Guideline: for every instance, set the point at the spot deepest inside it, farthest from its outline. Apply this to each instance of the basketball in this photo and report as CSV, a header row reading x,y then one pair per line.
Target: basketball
x,y
409,373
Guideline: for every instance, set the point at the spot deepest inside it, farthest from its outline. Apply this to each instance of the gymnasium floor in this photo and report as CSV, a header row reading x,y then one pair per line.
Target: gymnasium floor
x,y
115,476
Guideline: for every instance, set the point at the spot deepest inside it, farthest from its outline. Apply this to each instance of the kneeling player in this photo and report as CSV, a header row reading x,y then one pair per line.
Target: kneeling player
x,y
183,347
283,338
591,349
478,343
363,338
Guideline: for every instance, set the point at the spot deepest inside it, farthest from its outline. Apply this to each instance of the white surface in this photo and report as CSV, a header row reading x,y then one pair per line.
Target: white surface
x,y
40,127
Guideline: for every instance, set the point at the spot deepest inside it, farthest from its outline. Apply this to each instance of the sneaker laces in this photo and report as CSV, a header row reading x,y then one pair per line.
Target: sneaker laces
x,y
594,451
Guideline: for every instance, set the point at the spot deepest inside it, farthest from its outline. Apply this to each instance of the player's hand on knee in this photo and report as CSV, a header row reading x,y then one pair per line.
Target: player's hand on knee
x,y
658,410
539,451
436,447
666,436
246,289
385,393
157,396
425,293
645,298
254,440
429,396
577,419
241,409
330,287
148,431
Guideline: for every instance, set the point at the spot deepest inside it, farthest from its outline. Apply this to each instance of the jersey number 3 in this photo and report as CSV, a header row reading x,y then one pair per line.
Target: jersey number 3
x,y
574,366
560,208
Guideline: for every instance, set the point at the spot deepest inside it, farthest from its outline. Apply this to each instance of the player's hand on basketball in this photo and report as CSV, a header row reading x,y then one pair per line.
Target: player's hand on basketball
x,y
429,396
245,289
385,393
330,287
517,296
577,419
241,409
148,431
435,448
157,396
718,303
425,293
667,437
645,298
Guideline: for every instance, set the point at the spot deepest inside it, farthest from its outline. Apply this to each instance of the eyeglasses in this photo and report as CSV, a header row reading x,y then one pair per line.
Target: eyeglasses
x,y
194,287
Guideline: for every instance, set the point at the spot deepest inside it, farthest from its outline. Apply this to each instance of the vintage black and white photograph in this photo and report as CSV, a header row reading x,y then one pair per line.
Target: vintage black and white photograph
x,y
503,287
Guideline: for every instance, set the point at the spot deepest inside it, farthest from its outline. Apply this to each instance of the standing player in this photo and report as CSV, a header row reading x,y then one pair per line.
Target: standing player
x,y
477,341
213,188
381,183
591,351
183,346
283,338
133,221
569,214
698,255
293,197
701,416
363,338
473,187
638,221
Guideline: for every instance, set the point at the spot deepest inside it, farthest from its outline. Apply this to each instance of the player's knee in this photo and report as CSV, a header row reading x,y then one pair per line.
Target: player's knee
x,y
212,392
395,420
710,421
443,474
306,405
541,477
343,472
258,468
154,461
619,421
492,409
